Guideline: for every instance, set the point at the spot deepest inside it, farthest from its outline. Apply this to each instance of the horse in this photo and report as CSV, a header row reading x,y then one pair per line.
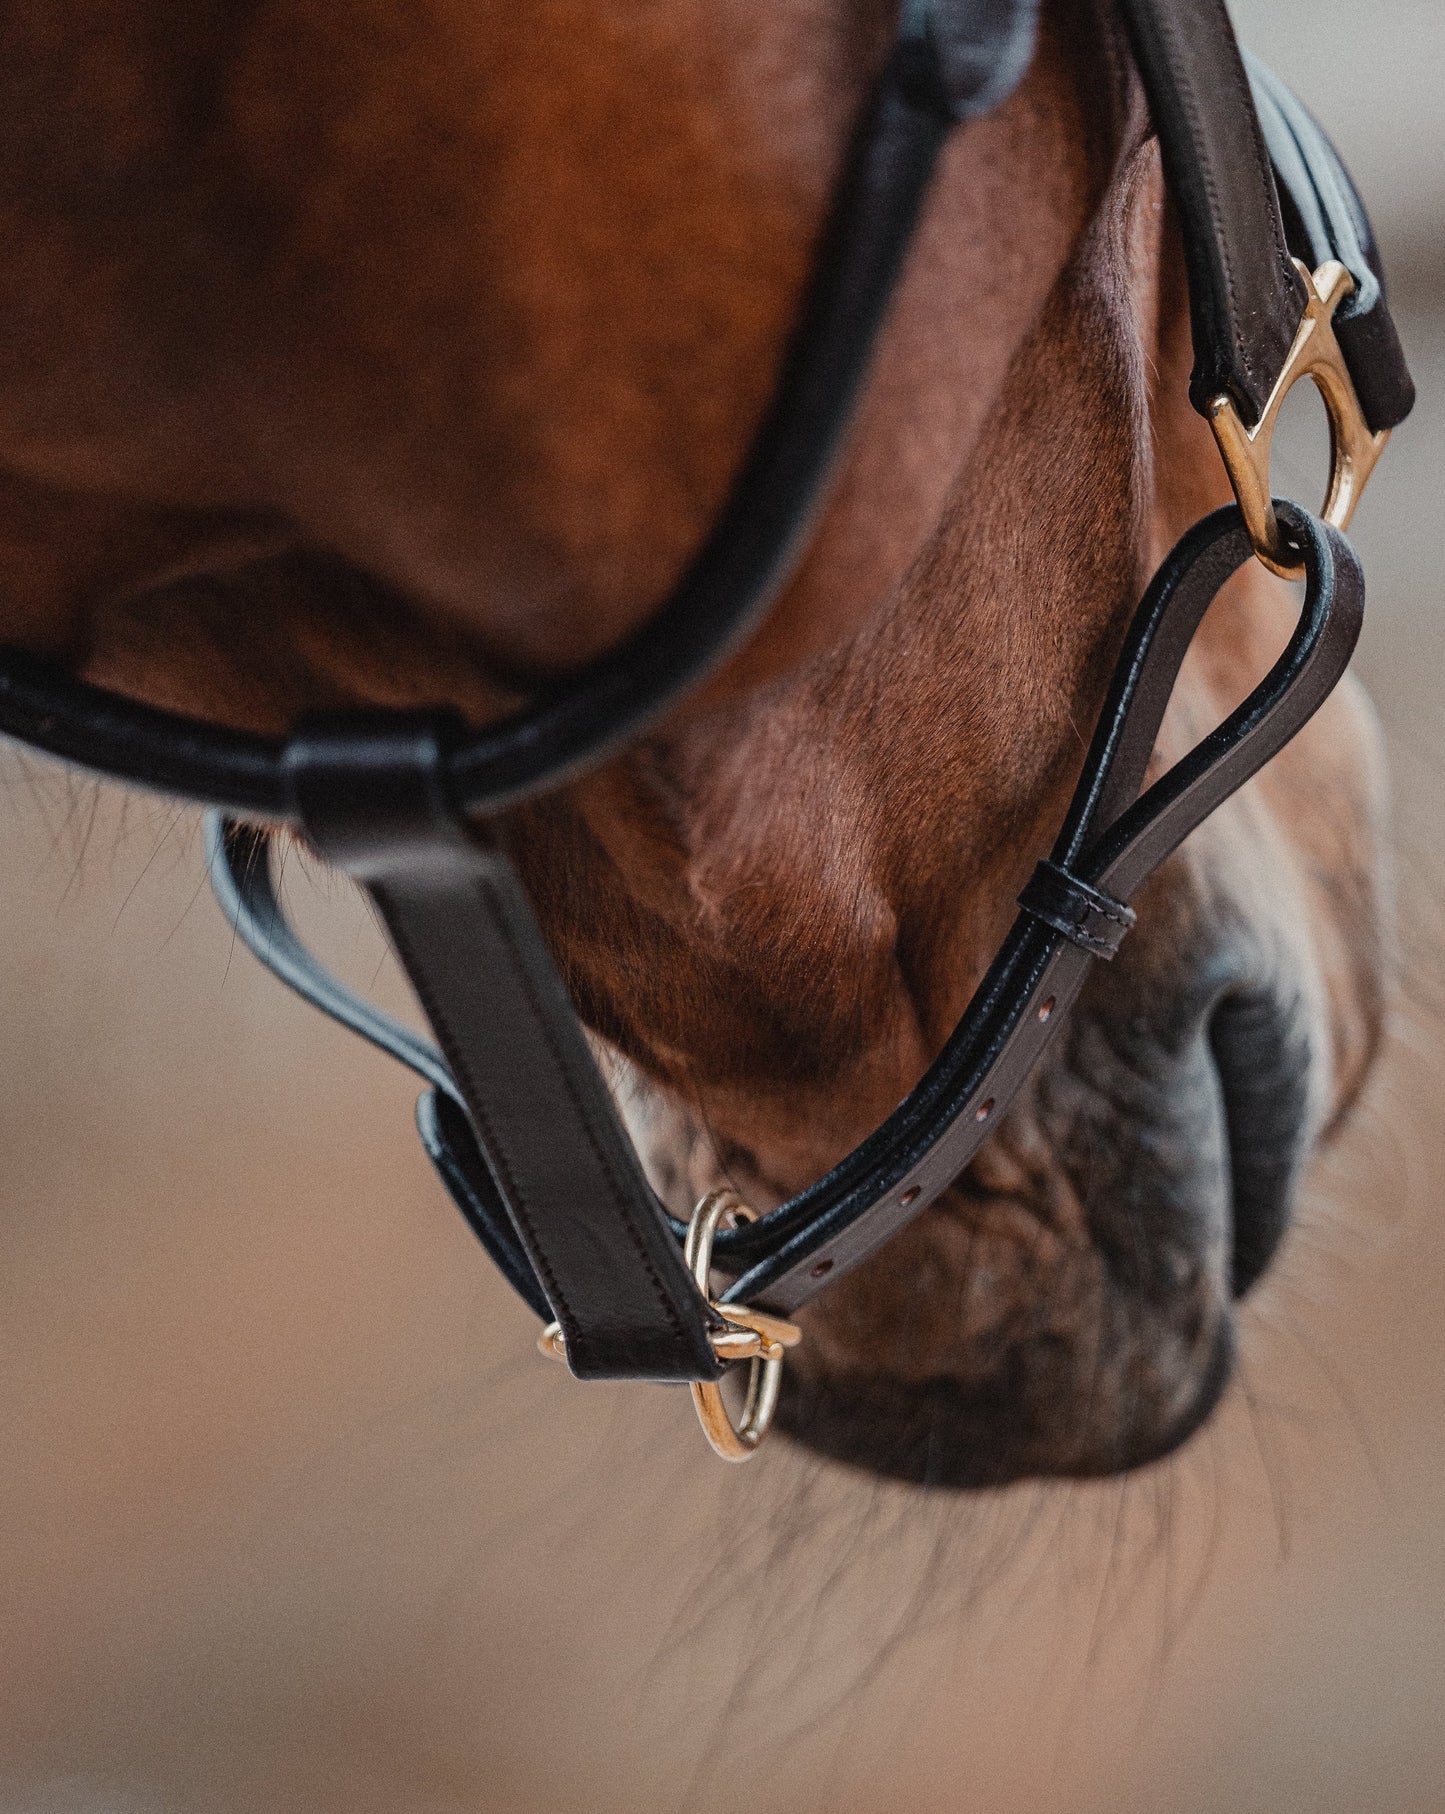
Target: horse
x,y
360,359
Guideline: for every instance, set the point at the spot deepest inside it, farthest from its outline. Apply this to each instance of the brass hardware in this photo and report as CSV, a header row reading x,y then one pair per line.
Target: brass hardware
x,y
1353,448
735,1441
748,1335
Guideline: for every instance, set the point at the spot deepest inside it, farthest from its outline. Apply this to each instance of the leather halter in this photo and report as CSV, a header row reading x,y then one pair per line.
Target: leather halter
x,y
1284,279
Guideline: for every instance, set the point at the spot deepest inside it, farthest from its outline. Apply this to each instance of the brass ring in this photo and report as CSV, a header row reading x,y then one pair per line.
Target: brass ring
x,y
735,1441
746,1334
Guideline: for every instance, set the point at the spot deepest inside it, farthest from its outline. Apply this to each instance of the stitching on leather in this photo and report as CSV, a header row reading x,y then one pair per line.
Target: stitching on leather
x,y
494,1153
619,1199
1095,942
1189,101
619,1204
1088,899
1240,77
1104,947
1188,98
1078,911
1116,913
614,1184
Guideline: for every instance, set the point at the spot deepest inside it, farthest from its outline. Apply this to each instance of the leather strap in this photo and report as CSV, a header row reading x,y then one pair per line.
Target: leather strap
x,y
1086,916
370,794
1245,304
1245,296
753,549
237,856
1255,179
517,1116
1111,841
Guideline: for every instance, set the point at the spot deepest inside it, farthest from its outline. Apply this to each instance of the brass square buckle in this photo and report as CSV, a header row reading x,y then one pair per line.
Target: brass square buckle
x,y
1354,448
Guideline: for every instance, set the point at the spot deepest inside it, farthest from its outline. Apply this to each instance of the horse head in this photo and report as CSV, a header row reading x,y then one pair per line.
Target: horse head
x,y
363,357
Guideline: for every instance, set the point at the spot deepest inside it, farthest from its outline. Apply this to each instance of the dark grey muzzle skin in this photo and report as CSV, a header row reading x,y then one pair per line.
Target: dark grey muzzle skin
x,y
1161,1148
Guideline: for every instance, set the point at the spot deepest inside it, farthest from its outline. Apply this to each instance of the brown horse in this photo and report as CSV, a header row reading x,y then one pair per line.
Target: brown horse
x,y
364,355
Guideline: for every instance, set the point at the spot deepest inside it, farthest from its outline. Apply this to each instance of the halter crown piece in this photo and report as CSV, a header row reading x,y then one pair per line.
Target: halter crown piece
x,y
1284,281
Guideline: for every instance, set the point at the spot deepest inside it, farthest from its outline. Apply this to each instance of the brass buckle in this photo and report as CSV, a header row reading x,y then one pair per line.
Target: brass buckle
x,y
747,1335
1354,449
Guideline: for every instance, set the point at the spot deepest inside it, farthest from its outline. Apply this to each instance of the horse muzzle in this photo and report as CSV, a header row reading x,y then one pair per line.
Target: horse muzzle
x,y
1069,1307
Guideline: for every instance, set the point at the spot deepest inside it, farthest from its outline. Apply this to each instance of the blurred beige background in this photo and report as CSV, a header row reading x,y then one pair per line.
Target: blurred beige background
x,y
292,1518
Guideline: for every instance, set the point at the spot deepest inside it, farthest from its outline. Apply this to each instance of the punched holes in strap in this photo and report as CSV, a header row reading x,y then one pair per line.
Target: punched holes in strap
x,y
1088,917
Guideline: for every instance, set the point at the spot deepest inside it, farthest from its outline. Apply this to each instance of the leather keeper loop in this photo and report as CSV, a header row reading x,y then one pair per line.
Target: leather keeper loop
x,y
1094,921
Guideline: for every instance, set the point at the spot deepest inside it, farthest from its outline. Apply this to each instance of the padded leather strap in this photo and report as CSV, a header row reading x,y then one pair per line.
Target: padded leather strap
x,y
751,551
1245,305
1245,296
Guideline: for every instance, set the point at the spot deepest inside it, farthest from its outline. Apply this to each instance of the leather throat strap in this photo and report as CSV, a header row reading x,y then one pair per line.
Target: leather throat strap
x,y
373,803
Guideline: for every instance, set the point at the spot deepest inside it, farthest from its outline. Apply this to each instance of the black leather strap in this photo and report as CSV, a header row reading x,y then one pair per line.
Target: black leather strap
x,y
1111,841
1245,296
1110,838
237,856
1245,304
748,557
1086,916
370,794
517,1117
1255,179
